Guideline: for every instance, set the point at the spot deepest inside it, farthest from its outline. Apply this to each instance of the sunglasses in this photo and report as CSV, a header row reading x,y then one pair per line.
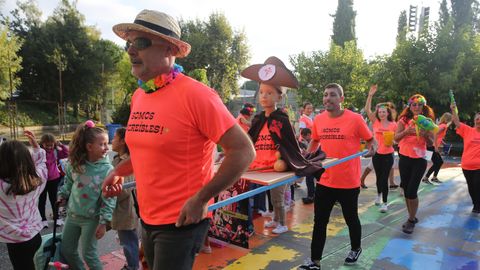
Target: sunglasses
x,y
139,44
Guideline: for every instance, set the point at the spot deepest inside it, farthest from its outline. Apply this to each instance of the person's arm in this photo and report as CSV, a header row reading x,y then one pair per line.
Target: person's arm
x,y
372,146
245,121
403,131
239,153
455,118
112,185
313,146
368,104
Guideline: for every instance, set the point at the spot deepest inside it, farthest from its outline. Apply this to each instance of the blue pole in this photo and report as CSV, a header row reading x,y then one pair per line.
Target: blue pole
x,y
283,182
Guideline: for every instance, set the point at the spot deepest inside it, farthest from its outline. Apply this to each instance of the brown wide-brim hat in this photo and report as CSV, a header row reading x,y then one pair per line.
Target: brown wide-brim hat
x,y
272,72
156,23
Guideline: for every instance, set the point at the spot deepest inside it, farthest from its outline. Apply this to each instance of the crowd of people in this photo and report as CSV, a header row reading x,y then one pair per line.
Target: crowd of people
x,y
168,146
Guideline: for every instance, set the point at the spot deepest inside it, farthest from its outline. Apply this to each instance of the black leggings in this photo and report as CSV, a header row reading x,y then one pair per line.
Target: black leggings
x,y
51,188
21,254
473,183
382,163
325,198
437,163
411,172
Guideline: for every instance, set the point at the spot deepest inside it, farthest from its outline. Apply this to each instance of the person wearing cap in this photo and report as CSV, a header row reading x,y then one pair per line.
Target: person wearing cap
x,y
413,148
174,124
271,131
339,132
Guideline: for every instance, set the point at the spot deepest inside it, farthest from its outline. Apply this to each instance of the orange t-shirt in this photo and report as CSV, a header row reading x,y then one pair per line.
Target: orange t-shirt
x,y
339,138
378,130
441,134
305,122
471,147
265,149
171,135
411,145
242,125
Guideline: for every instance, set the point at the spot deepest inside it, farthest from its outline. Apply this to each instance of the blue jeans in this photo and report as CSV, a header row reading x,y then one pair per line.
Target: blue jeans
x,y
129,243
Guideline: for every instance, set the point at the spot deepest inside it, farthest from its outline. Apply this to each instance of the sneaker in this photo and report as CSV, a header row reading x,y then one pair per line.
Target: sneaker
x,y
307,200
384,208
265,213
408,226
45,224
435,180
352,256
426,181
270,224
280,229
378,201
393,187
364,186
309,265
206,249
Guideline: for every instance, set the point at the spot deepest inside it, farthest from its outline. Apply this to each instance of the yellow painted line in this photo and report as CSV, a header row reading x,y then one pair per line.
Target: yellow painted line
x,y
335,225
261,261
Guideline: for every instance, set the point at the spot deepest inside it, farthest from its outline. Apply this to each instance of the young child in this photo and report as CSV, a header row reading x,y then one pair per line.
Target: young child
x,y
271,131
87,211
125,219
55,151
22,179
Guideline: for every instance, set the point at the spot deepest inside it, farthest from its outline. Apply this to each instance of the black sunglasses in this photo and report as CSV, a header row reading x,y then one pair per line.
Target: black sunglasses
x,y
139,44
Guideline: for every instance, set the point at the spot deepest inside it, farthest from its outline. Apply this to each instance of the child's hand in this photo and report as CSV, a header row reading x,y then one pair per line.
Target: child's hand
x,y
31,138
112,186
101,229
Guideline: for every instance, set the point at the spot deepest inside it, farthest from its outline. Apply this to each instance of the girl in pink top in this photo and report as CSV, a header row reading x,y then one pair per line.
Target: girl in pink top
x,y
437,160
412,164
22,179
383,128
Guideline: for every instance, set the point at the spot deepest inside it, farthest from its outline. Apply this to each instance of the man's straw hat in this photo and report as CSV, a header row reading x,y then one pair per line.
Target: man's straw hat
x,y
156,23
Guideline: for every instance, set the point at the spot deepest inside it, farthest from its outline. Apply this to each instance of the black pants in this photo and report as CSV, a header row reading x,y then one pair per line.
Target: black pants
x,y
382,163
411,172
473,183
51,188
169,247
325,198
437,163
310,181
21,254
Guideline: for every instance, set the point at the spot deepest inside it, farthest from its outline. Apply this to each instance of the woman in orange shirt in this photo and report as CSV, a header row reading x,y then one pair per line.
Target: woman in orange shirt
x,y
437,160
383,127
470,156
413,147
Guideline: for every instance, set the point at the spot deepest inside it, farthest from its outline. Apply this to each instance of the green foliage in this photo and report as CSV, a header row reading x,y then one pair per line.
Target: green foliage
x,y
199,74
345,66
10,62
402,27
344,23
218,49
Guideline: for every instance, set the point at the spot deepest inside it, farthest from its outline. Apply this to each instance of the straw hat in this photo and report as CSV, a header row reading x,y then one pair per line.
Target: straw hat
x,y
272,72
156,23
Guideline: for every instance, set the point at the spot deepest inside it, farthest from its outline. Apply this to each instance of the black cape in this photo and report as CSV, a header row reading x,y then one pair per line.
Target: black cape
x,y
284,138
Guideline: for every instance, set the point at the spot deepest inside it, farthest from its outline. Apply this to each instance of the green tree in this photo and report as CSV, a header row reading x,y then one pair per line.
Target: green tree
x,y
344,23
10,62
218,49
402,27
345,66
199,74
